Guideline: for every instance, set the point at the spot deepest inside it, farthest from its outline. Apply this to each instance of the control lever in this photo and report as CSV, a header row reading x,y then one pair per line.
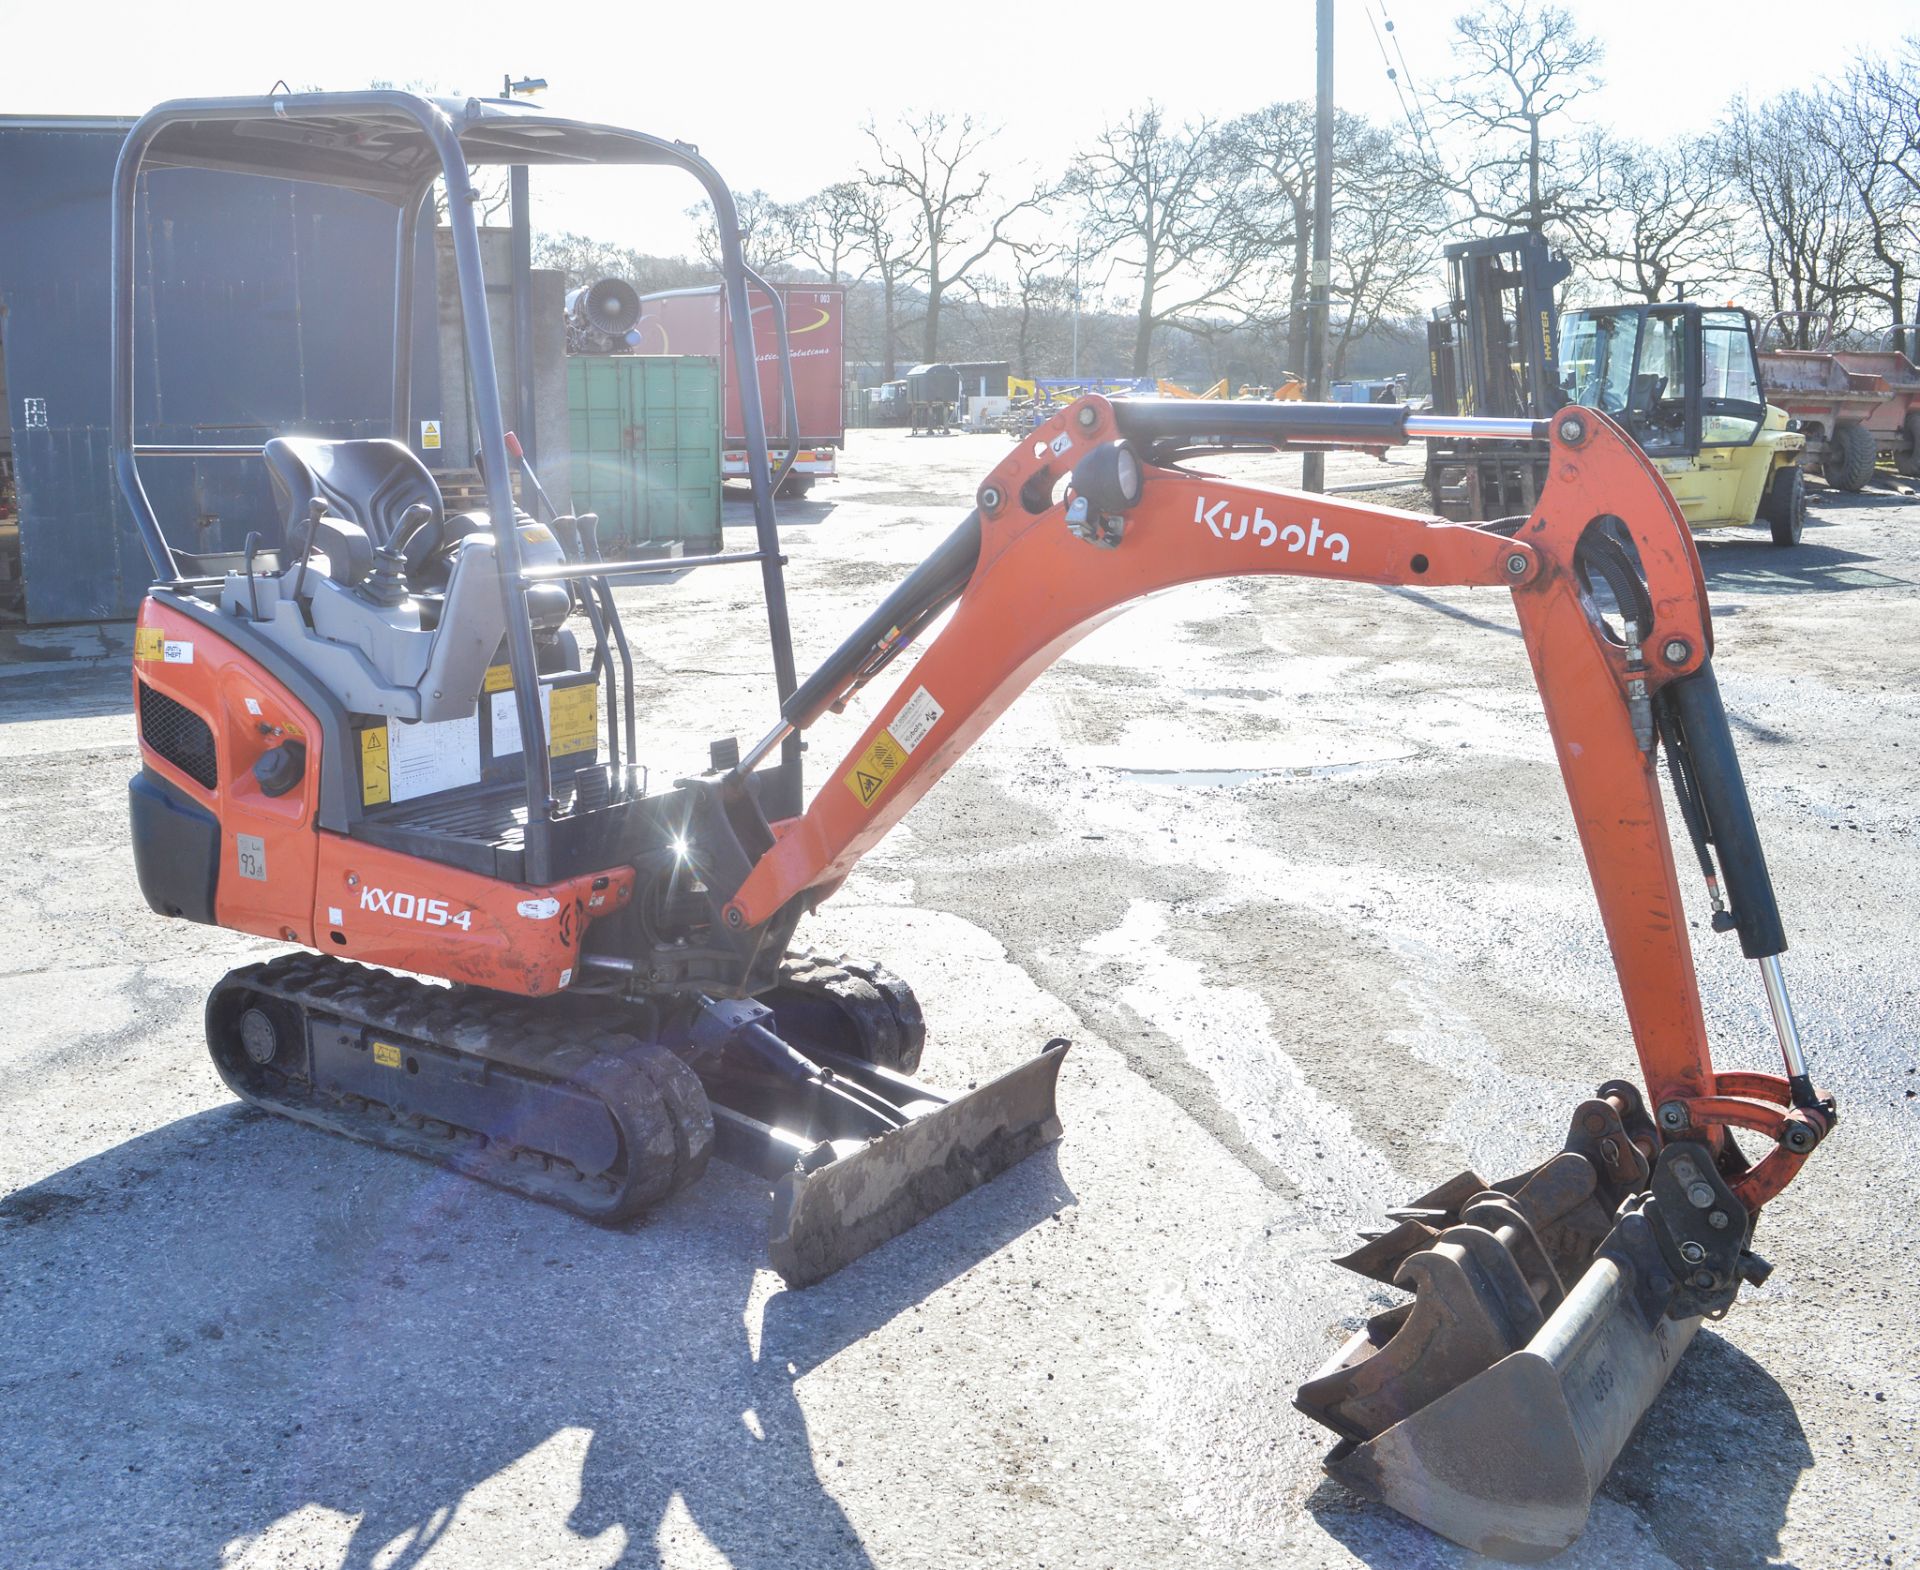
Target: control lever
x,y
386,585
316,510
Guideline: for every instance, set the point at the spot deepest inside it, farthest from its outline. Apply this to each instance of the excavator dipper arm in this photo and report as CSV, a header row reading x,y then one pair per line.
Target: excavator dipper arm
x,y
1047,569
1549,1307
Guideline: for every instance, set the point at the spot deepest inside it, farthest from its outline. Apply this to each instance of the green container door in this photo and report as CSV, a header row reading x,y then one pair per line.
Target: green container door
x,y
646,449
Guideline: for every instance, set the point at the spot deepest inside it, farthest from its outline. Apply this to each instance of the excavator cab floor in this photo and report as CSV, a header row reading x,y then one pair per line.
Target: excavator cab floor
x,y
485,830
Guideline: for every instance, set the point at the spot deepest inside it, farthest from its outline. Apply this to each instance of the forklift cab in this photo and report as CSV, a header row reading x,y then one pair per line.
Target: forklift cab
x,y
1680,378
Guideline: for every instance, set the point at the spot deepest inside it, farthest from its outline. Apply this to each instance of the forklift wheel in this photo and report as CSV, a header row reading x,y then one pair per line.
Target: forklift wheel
x,y
1785,507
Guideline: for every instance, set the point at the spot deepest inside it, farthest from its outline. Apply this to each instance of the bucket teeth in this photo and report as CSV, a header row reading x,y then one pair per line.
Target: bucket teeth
x,y
1491,1405
1380,1257
1472,1305
1452,1194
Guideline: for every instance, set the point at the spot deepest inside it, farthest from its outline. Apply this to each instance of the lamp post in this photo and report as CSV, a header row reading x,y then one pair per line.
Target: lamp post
x,y
1313,467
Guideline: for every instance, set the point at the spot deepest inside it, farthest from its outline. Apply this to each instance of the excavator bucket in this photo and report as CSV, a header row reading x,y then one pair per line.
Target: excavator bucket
x,y
842,1202
1507,1462
1491,1406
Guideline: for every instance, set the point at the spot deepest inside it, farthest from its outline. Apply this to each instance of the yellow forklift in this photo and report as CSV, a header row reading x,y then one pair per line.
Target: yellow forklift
x,y
1683,379
1685,382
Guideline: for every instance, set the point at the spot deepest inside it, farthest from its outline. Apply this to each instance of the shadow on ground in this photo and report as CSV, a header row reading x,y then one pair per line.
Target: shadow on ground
x,y
1709,1472
217,1324
86,690
1751,564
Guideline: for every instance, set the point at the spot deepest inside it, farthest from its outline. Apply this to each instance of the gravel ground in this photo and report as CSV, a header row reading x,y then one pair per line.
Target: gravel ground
x,y
1291,865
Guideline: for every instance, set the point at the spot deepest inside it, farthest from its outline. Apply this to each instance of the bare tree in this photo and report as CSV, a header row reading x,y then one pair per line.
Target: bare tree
x,y
1167,205
1030,306
1275,145
1387,213
1387,218
765,241
1660,228
937,165
890,238
1873,136
1505,112
585,260
827,231
1804,239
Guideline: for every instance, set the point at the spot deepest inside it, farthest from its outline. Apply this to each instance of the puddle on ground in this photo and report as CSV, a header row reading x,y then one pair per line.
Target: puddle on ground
x,y
1206,778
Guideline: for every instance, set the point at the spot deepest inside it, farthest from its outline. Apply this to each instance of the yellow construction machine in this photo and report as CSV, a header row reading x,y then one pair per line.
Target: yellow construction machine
x,y
1685,382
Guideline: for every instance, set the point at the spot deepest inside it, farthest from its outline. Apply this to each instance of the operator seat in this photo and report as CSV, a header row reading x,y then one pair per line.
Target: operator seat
x,y
370,482
421,656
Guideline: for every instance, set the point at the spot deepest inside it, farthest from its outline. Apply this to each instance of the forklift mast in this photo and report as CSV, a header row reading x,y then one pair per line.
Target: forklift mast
x,y
1494,347
1494,352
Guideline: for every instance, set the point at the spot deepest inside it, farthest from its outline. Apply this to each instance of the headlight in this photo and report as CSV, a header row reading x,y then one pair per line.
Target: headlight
x,y
1111,477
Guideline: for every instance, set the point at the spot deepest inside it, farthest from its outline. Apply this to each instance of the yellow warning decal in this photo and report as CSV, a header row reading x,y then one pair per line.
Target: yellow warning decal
x,y
878,764
499,678
386,1054
375,782
149,643
574,719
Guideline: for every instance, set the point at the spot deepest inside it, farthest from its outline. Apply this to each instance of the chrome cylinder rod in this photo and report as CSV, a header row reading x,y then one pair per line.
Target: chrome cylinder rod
x,y
763,746
1784,1027
1424,426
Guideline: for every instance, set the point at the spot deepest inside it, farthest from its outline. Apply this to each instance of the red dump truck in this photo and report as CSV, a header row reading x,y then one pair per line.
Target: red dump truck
x,y
694,321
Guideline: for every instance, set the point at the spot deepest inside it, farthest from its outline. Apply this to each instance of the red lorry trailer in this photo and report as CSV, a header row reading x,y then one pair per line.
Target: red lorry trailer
x,y
694,321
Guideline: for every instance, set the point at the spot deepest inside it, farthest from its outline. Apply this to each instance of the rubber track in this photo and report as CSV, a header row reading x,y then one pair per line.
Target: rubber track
x,y
656,1102
879,1015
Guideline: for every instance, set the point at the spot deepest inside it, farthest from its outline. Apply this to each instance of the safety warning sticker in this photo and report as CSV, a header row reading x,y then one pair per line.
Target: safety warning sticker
x,y
375,780
148,643
920,715
386,1054
878,764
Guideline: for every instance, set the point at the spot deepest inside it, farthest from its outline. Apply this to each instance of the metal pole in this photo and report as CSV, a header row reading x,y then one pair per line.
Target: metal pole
x,y
1313,467
1075,373
522,247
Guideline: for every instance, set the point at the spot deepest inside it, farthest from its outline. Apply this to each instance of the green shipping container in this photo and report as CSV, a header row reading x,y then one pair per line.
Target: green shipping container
x,y
646,449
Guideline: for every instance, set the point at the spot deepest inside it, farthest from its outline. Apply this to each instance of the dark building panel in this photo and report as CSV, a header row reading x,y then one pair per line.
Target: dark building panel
x,y
263,307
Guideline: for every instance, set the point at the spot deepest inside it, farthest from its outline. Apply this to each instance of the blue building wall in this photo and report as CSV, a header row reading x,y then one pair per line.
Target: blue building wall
x,y
264,307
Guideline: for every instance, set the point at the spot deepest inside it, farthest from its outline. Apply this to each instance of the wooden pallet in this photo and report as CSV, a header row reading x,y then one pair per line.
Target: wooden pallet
x,y
461,490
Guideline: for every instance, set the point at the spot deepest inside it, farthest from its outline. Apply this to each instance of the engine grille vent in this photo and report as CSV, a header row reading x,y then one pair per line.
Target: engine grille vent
x,y
179,735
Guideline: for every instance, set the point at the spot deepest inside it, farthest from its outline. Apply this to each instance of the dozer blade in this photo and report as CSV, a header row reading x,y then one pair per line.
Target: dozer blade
x,y
844,1200
1507,1463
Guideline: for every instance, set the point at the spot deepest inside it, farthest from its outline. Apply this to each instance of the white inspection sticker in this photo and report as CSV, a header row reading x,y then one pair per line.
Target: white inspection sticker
x,y
177,651
539,909
910,726
250,851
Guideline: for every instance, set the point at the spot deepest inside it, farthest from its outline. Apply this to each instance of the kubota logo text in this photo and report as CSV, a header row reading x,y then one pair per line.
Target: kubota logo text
x,y
1315,541
414,907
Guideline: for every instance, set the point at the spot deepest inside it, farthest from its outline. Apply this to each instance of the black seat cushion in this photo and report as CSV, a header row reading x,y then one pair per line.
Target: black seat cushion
x,y
367,481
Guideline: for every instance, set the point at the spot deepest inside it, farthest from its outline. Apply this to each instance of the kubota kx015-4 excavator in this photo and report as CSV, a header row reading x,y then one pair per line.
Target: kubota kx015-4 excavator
x,y
379,739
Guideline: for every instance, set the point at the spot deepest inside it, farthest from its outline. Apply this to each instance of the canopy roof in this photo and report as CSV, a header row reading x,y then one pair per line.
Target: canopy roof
x,y
379,142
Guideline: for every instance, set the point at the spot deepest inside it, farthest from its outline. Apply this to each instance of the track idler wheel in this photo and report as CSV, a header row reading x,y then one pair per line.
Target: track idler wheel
x,y
1542,1326
855,1007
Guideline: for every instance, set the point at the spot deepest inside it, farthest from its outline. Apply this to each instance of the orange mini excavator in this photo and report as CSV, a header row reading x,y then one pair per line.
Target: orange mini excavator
x,y
378,734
